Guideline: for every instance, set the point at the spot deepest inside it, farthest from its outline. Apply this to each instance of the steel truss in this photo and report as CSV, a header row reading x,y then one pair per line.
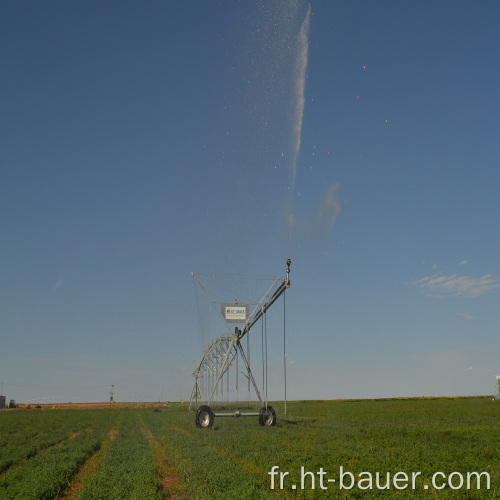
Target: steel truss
x,y
223,353
497,395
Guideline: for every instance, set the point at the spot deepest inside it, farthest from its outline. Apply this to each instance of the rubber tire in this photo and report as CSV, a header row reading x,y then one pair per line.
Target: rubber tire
x,y
267,416
204,417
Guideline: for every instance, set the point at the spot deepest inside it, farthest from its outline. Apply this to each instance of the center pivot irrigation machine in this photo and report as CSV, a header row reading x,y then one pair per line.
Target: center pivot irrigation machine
x,y
212,380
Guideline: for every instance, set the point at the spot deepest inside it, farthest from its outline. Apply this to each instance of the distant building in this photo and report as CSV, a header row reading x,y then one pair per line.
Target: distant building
x,y
2,402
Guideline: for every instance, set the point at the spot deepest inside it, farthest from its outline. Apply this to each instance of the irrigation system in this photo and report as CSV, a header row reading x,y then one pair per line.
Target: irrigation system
x,y
212,373
497,395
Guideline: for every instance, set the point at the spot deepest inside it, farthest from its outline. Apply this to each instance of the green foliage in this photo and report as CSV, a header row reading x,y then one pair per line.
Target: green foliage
x,y
44,466
412,435
128,470
148,451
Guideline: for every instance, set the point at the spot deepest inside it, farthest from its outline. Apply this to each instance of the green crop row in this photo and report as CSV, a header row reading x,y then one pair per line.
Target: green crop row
x,y
143,452
205,467
45,474
18,425
41,430
234,458
129,469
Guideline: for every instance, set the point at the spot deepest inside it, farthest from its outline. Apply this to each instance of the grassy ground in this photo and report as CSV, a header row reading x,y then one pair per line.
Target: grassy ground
x,y
120,453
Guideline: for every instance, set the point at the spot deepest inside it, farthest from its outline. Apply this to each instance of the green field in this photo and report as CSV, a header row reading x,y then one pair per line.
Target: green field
x,y
120,453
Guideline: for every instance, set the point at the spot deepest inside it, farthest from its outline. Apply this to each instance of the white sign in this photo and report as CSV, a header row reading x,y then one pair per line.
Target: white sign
x,y
235,313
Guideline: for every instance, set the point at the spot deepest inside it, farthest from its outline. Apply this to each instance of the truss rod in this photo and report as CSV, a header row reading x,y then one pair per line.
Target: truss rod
x,y
272,300
212,302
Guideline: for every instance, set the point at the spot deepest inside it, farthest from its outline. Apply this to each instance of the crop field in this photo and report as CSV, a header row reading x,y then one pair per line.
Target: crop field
x,y
325,449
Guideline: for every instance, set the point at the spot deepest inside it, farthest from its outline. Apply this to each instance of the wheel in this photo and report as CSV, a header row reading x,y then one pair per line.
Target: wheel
x,y
204,417
267,416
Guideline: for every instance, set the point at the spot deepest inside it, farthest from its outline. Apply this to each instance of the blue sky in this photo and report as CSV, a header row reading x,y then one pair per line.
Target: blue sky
x,y
141,142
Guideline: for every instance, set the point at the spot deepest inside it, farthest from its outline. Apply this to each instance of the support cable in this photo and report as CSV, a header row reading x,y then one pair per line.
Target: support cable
x,y
248,352
284,343
202,330
263,359
265,345
212,302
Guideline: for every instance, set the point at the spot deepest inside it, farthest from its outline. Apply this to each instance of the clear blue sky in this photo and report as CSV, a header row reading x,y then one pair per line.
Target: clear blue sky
x,y
142,141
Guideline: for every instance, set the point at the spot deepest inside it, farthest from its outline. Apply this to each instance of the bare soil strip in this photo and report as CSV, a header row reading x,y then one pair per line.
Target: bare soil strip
x,y
182,431
248,467
170,485
40,451
89,468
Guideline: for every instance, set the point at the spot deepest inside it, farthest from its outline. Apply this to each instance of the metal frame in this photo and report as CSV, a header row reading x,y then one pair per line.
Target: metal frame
x,y
223,352
497,395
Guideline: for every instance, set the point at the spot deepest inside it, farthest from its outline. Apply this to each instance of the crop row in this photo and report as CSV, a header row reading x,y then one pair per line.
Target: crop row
x,y
234,458
206,468
41,430
112,452
42,467
146,453
128,470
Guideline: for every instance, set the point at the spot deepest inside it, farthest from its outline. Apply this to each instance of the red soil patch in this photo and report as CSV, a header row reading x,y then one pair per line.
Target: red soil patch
x,y
168,482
